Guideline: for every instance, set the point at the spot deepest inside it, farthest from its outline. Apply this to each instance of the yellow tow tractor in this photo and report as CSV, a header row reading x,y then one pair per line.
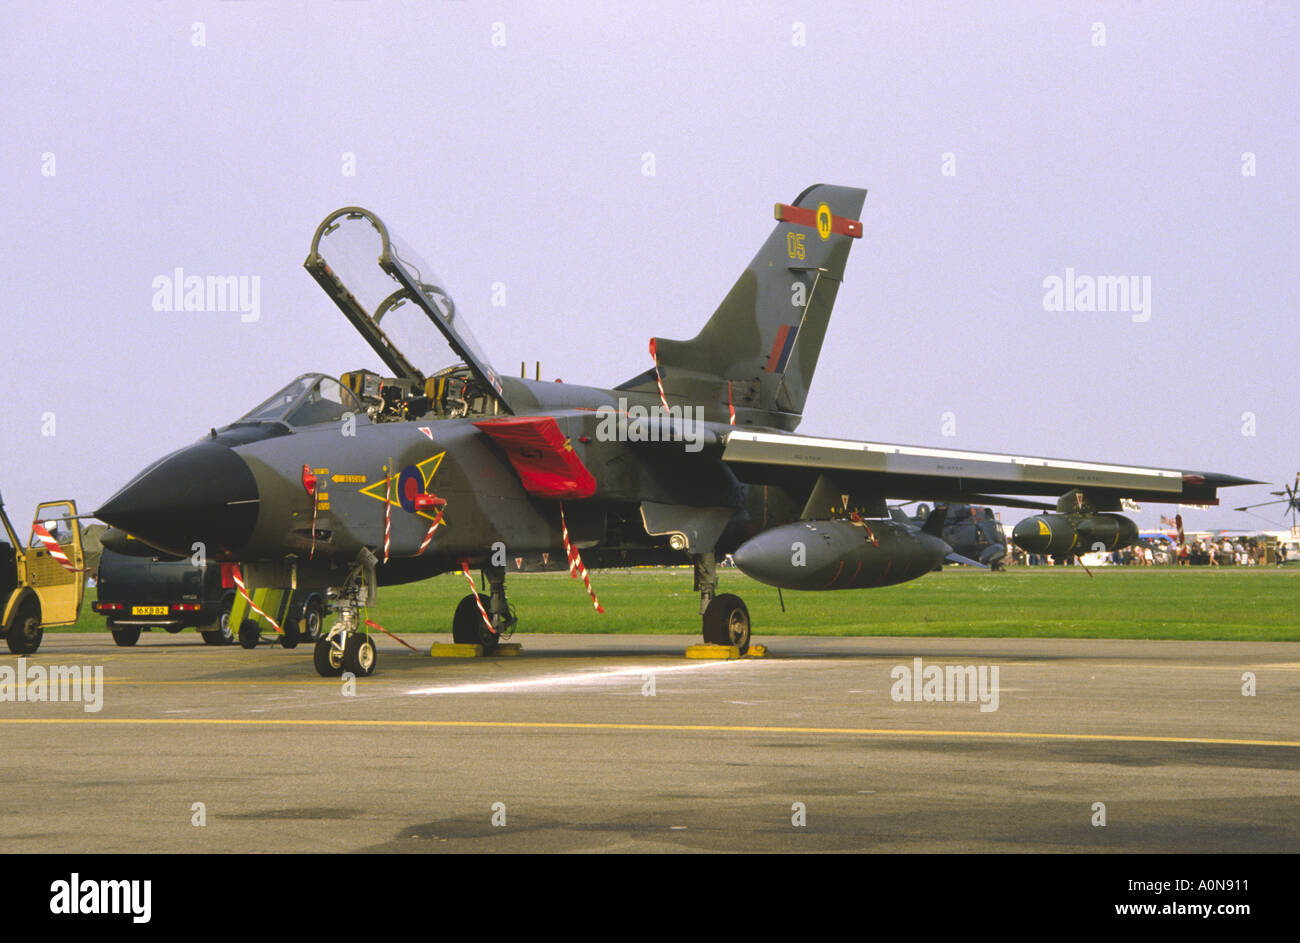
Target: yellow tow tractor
x,y
44,583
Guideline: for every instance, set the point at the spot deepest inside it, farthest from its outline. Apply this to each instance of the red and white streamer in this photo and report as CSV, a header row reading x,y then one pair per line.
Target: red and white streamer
x,y
731,409
429,536
52,547
315,500
857,519
576,567
388,510
238,577
464,568
390,635
658,379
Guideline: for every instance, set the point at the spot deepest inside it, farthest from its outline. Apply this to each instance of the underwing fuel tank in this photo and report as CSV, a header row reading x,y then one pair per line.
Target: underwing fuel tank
x,y
818,555
1070,534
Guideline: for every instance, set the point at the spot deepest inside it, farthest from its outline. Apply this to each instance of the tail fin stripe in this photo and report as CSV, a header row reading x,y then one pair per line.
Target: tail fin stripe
x,y
805,216
781,348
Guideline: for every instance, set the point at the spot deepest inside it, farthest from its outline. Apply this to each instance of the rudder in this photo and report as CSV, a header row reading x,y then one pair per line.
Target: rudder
x,y
759,349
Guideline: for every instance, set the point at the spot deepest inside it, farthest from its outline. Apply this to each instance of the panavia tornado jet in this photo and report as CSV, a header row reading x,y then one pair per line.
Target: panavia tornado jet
x,y
340,484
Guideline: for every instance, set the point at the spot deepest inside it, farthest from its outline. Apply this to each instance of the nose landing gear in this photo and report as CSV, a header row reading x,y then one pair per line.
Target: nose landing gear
x,y
346,647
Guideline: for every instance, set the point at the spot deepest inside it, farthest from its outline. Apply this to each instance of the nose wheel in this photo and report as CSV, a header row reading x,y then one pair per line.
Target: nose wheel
x,y
328,657
359,655
345,648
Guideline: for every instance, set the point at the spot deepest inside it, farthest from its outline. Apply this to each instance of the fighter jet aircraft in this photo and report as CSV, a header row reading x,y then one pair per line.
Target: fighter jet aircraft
x,y
344,483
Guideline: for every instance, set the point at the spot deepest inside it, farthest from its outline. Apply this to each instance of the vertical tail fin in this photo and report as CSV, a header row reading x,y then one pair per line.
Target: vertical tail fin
x,y
759,349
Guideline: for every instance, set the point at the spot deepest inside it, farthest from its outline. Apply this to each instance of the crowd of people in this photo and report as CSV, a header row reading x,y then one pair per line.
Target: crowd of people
x,y
1208,551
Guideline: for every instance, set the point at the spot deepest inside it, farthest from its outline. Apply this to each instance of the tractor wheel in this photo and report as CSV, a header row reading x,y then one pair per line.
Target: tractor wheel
x,y
313,619
126,636
221,634
25,629
249,634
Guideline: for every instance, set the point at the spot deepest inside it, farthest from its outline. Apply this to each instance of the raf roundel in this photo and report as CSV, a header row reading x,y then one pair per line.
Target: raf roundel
x,y
409,484
824,221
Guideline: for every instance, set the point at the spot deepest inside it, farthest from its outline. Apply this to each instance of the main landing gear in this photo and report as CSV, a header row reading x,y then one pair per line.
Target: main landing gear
x,y
467,626
725,618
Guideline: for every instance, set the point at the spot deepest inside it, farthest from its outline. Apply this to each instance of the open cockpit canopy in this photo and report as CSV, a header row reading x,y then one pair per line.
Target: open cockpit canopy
x,y
392,303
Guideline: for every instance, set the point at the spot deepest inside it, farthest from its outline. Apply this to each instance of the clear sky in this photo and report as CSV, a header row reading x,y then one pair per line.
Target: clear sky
x,y
508,143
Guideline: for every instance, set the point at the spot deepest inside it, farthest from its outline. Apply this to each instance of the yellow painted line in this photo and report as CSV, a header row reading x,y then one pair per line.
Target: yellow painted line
x,y
1284,667
1140,666
307,681
665,728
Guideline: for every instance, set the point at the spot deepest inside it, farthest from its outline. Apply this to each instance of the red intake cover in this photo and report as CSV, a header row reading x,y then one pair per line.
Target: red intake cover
x,y
542,457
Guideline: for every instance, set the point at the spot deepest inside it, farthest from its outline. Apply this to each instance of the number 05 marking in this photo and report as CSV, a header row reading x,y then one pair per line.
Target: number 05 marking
x,y
794,245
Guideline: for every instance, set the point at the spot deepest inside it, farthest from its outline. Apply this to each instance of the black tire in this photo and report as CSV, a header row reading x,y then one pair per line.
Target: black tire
x,y
221,633
289,634
327,658
467,626
127,635
249,634
313,619
726,622
25,629
360,655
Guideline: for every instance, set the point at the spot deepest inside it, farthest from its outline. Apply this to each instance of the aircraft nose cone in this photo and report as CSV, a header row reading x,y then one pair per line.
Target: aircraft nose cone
x,y
204,493
992,554
763,558
934,548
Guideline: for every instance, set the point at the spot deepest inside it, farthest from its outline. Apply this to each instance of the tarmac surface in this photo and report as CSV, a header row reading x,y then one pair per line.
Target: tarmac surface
x,y
620,743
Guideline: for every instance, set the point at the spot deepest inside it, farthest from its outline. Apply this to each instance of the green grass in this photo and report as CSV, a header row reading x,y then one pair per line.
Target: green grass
x,y
1248,604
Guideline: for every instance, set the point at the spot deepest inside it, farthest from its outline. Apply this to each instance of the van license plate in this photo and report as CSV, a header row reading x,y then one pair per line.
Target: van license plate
x,y
148,610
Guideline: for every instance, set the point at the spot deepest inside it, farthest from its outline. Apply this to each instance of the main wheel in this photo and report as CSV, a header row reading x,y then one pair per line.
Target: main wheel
x,y
222,633
25,629
328,658
313,618
126,636
249,634
726,622
360,655
467,626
